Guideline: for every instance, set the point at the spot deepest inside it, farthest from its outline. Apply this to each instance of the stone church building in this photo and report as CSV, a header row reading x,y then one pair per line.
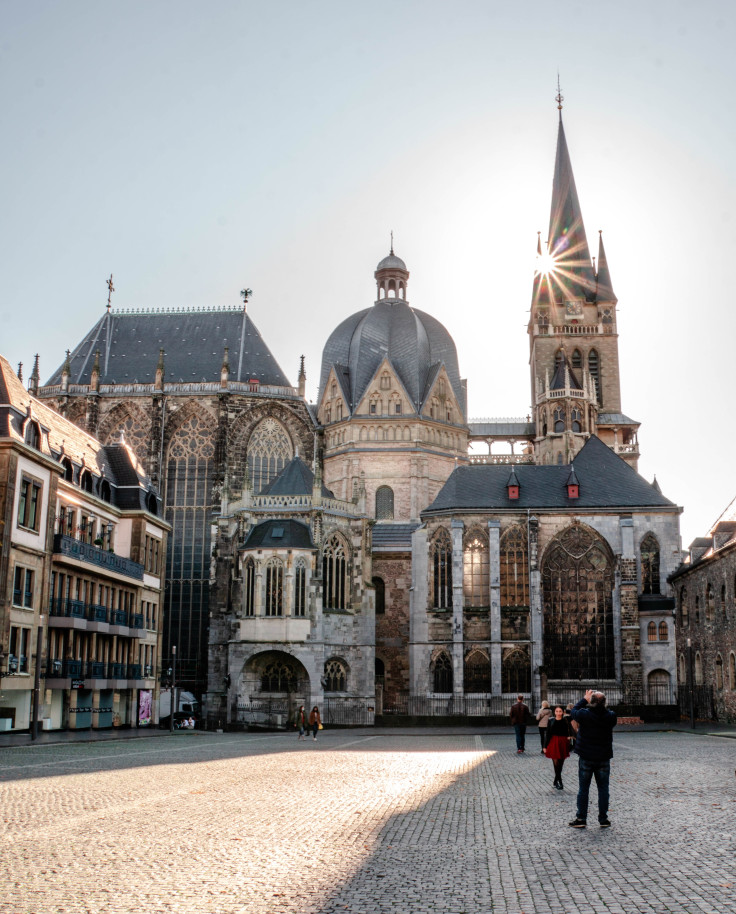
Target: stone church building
x,y
380,551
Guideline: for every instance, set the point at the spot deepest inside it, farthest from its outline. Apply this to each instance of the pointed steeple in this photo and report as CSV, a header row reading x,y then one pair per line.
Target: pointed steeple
x,y
35,377
572,278
302,380
604,289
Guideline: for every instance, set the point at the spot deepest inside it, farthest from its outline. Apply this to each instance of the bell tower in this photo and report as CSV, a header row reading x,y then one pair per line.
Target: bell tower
x,y
573,336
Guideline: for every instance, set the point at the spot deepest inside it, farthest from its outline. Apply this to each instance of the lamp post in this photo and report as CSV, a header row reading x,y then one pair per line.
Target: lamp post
x,y
691,690
173,688
37,680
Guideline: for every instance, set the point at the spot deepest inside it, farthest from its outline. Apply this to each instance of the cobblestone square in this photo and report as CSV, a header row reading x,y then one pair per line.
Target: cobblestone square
x,y
364,822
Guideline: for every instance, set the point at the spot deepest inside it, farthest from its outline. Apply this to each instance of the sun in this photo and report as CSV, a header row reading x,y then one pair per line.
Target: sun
x,y
546,263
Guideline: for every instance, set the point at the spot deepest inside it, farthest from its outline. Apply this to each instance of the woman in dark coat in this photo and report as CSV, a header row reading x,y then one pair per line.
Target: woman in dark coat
x,y
315,721
559,733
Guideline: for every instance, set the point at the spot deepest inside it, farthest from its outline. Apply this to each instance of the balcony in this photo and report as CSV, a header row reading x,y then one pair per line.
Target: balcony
x,y
85,552
90,670
94,612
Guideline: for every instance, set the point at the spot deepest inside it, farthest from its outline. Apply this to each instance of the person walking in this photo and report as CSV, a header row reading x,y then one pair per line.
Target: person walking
x,y
301,722
518,714
559,737
543,716
315,722
594,746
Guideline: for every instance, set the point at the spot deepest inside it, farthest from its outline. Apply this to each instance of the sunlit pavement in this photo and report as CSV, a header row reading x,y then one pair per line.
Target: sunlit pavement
x,y
363,821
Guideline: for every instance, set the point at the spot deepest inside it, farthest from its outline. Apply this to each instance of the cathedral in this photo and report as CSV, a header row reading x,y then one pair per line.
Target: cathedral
x,y
379,552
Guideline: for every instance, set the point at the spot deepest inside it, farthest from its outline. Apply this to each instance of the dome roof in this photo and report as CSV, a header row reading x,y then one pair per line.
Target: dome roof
x,y
414,342
392,262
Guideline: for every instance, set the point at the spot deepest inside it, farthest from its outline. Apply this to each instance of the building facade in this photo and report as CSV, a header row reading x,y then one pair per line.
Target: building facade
x,y
81,573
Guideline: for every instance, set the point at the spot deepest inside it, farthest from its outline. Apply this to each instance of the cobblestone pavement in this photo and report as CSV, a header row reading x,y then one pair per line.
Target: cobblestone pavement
x,y
363,821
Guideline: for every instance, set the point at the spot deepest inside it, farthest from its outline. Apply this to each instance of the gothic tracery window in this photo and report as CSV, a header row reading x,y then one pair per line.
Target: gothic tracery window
x,y
514,567
442,673
249,587
274,588
516,671
279,676
335,676
476,593
300,588
559,419
442,570
477,672
334,574
269,450
649,564
577,584
595,374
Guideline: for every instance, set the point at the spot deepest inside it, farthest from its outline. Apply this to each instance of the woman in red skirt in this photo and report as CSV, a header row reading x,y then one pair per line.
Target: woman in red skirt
x,y
559,733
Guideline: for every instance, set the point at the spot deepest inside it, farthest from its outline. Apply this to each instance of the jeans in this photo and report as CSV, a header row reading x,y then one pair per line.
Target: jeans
x,y
601,771
520,731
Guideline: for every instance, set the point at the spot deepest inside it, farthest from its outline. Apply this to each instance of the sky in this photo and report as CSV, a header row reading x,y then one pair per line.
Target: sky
x,y
195,149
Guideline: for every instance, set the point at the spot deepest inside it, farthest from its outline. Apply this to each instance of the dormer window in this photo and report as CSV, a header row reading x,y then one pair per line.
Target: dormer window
x,y
573,486
32,435
512,486
513,491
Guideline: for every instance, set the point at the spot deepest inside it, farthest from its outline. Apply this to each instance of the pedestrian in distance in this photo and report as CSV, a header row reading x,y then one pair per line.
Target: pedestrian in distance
x,y
518,714
315,722
559,737
543,716
594,746
301,722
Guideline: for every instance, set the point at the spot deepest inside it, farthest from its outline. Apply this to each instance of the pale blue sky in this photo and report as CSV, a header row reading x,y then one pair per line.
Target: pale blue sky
x,y
192,149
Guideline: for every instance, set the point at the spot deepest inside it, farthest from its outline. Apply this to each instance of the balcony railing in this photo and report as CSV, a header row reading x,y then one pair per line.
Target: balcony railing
x,y
85,552
94,612
94,669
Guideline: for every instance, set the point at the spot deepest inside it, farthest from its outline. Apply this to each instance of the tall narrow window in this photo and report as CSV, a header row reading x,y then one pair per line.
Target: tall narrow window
x,y
249,587
442,570
595,373
724,614
664,632
477,673
18,649
698,669
719,673
559,419
710,610
384,503
300,589
33,435
335,676
684,612
651,632
576,420
442,673
269,450
274,588
29,503
380,586
476,593
732,671
649,564
577,360
514,567
334,574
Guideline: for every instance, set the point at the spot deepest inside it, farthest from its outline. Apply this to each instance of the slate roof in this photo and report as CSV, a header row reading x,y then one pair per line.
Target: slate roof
x,y
278,534
392,537
503,427
605,480
193,341
616,419
295,479
116,463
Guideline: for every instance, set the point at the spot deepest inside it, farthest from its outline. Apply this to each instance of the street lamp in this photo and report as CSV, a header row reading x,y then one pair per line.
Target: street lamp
x,y
690,681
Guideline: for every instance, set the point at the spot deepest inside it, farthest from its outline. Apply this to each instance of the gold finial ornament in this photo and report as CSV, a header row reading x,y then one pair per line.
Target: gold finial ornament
x,y
559,98
110,290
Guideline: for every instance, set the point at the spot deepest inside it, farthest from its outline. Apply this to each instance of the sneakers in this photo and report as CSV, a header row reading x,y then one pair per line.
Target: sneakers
x,y
578,823
604,823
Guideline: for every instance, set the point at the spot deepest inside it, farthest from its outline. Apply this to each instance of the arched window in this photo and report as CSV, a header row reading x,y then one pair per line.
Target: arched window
x,y
710,609
576,420
683,670
651,632
649,551
336,676
380,586
68,469
249,587
269,450
32,436
86,482
300,588
664,632
577,360
732,671
559,419
476,593
477,673
105,495
577,588
442,570
698,669
514,567
544,422
684,612
719,673
516,671
595,373
334,574
384,503
442,673
279,676
658,687
274,588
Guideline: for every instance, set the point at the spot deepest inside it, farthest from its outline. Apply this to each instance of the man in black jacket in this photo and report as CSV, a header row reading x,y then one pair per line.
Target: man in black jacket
x,y
594,746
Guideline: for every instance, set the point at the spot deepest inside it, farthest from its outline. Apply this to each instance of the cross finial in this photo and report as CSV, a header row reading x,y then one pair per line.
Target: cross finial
x,y
392,242
110,290
245,294
559,98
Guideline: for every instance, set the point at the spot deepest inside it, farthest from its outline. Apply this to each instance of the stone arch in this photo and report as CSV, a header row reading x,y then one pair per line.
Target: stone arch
x,y
577,592
477,671
275,672
441,673
476,592
336,564
77,413
516,671
135,425
649,559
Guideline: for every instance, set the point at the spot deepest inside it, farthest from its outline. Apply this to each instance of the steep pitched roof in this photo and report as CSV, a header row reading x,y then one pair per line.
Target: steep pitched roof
x,y
604,287
295,479
606,481
279,534
193,342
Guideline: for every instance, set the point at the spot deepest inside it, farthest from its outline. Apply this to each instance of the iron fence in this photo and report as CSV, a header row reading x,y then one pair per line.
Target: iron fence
x,y
408,705
703,701
348,712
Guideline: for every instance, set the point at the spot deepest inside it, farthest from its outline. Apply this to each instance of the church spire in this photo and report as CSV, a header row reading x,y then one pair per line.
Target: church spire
x,y
604,288
572,277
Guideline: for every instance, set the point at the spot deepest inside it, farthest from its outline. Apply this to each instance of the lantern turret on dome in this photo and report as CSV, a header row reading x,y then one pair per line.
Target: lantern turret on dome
x,y
391,278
